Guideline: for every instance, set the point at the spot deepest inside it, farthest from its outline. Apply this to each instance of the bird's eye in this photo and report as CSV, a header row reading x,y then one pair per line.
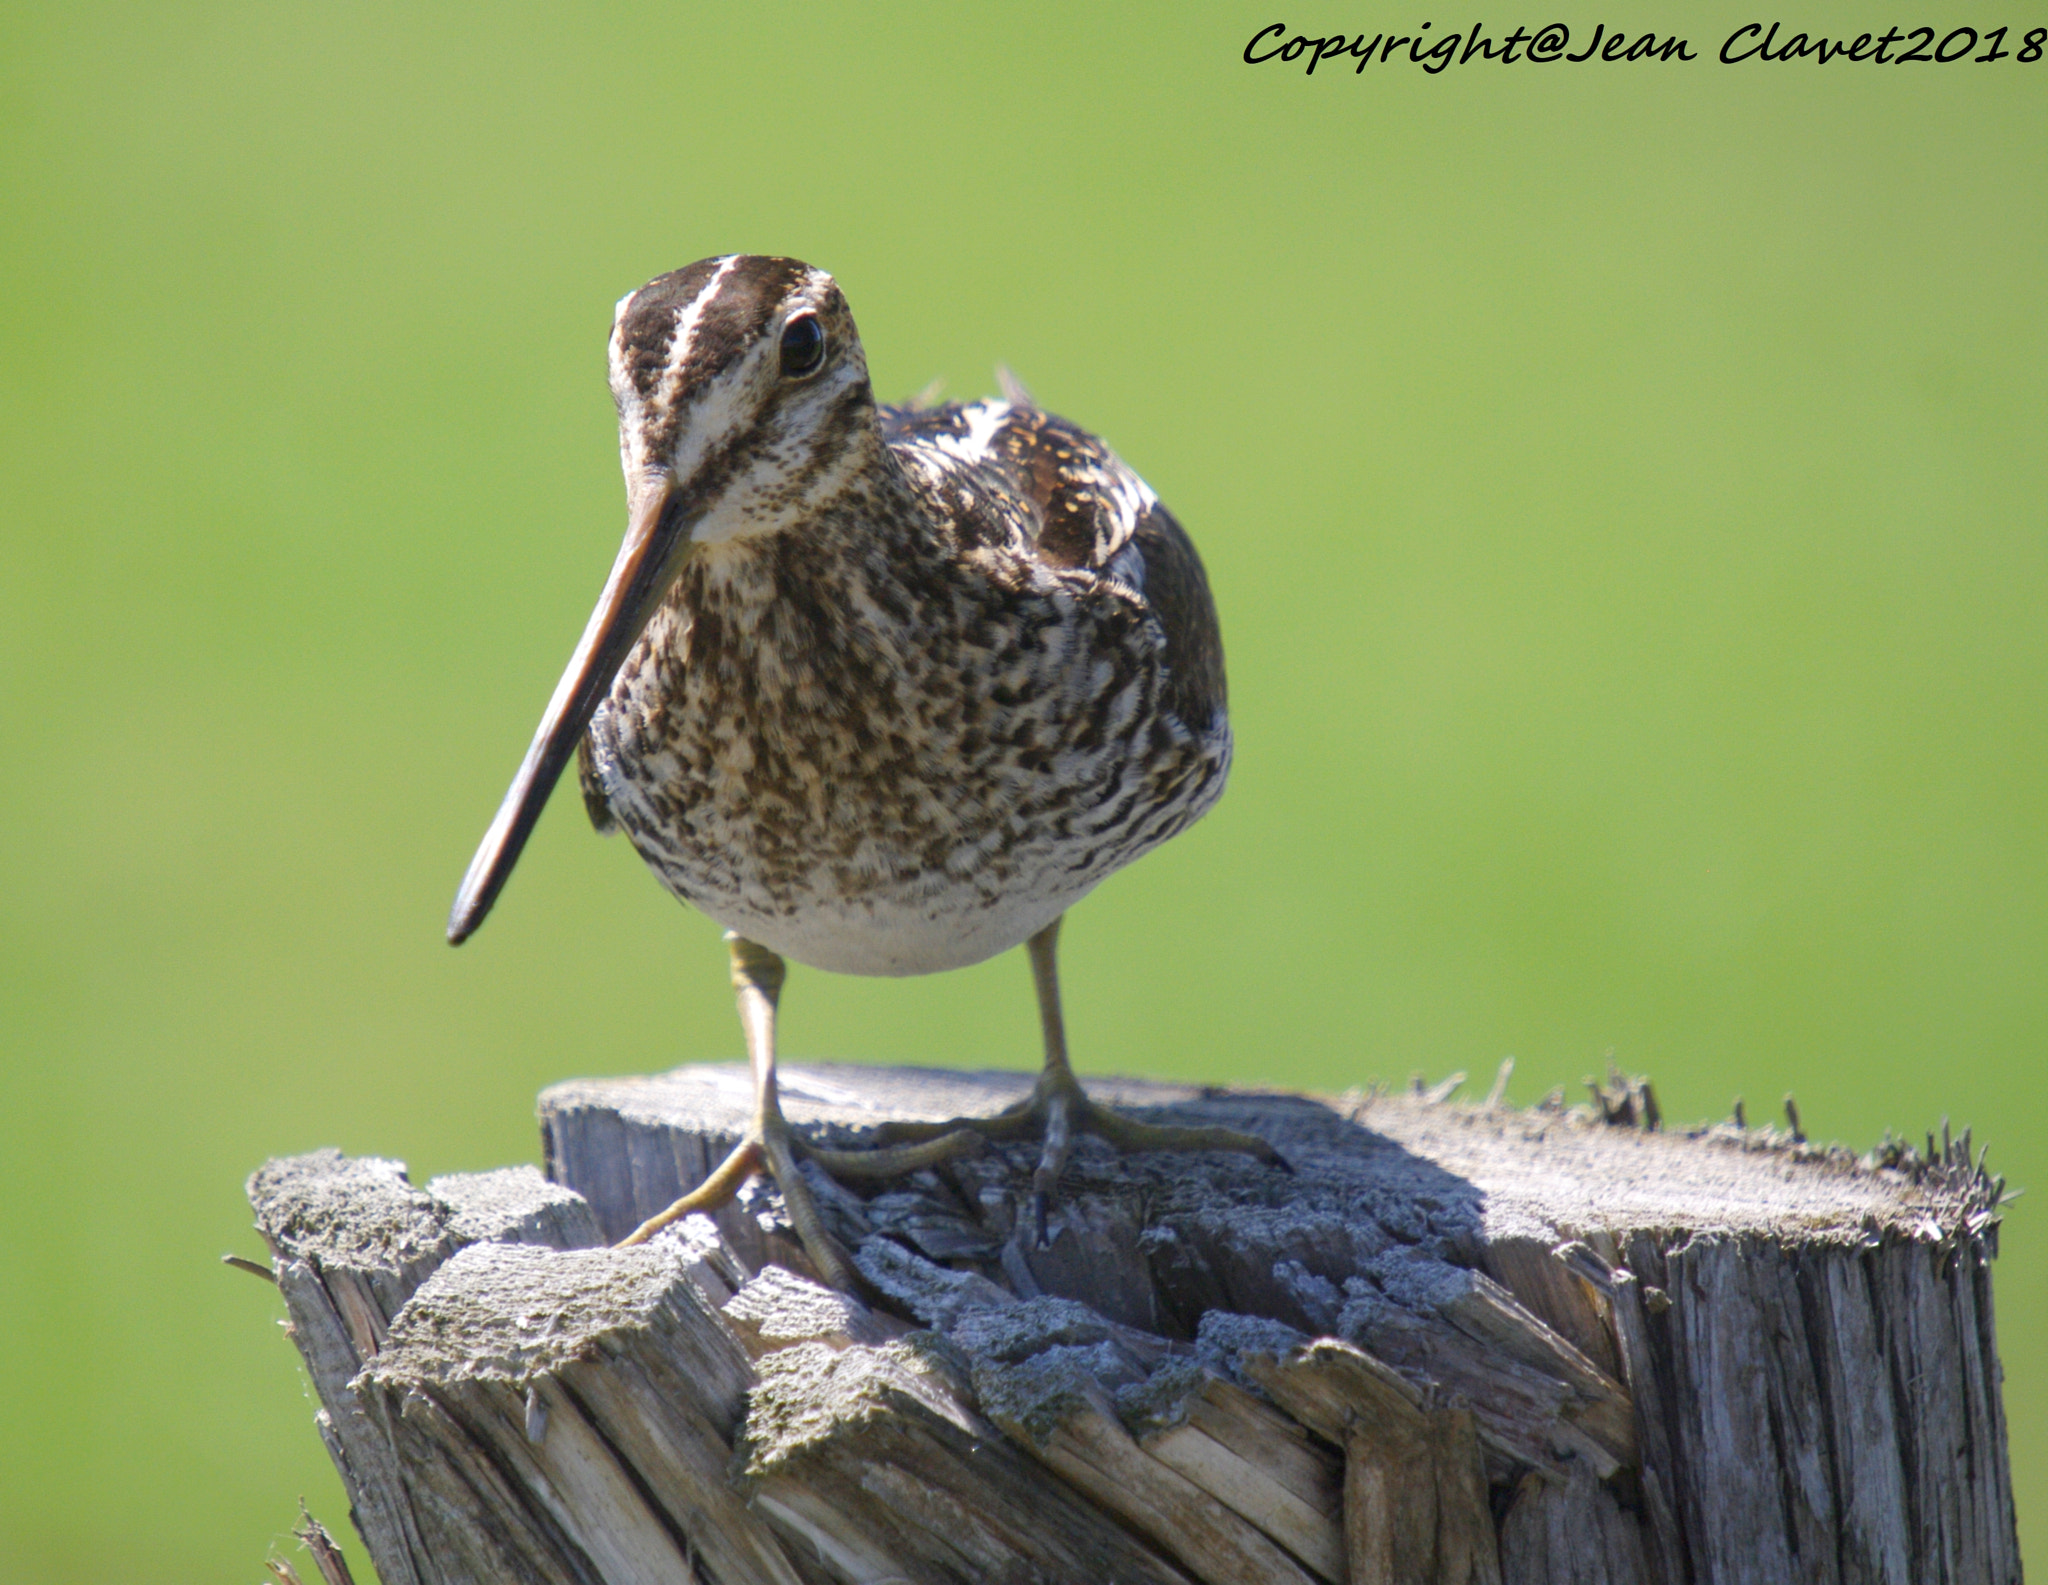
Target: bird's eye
x,y
803,346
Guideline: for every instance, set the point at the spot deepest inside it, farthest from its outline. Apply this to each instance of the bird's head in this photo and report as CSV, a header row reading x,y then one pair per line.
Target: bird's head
x,y
744,406
743,395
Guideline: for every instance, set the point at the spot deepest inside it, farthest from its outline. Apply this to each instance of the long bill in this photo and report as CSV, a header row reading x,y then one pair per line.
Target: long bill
x,y
655,539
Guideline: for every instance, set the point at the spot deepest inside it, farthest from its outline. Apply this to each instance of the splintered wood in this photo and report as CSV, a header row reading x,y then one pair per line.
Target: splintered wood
x,y
1454,1346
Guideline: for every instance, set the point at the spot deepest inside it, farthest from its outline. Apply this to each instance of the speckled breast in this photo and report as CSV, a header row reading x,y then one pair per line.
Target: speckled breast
x,y
891,762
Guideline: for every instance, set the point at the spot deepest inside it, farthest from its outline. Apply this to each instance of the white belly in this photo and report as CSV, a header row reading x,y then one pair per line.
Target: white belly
x,y
895,937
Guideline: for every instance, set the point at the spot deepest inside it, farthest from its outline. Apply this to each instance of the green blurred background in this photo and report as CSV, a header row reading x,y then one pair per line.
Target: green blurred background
x,y
1623,487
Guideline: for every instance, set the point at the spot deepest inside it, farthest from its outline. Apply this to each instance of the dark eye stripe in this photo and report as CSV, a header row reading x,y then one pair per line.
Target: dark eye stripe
x,y
803,346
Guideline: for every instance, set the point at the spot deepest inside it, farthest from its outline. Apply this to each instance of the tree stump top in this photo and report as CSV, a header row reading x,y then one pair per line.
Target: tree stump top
x,y
1518,1173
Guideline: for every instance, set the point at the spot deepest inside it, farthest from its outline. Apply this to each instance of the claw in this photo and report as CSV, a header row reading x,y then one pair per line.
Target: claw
x,y
893,1161
1013,1121
714,1191
1059,1112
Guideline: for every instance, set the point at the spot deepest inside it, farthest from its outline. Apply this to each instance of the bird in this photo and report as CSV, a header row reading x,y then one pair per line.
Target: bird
x,y
884,690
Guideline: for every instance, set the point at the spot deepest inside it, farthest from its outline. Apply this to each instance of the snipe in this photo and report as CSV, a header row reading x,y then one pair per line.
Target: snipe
x,y
883,690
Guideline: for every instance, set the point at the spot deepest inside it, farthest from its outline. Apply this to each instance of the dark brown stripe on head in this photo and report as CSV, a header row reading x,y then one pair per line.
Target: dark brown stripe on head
x,y
752,287
734,317
648,325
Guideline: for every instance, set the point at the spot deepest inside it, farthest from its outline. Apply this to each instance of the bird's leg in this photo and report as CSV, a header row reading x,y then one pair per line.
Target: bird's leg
x,y
757,976
768,1145
1058,1096
1067,1109
1058,1109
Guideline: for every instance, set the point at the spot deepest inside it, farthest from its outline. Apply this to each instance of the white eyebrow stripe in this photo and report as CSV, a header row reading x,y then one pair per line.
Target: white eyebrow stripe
x,y
687,319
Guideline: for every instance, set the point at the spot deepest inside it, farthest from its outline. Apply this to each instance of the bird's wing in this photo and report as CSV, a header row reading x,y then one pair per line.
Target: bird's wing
x,y
1065,500
595,803
1177,588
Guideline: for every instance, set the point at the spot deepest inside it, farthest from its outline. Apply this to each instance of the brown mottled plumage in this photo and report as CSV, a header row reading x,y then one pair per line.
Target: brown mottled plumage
x,y
883,690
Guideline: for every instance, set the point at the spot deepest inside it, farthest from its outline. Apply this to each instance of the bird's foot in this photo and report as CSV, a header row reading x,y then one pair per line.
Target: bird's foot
x,y
770,1146
1058,1111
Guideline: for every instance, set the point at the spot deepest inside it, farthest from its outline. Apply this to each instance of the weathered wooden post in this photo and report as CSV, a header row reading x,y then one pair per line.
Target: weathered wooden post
x,y
1459,1344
